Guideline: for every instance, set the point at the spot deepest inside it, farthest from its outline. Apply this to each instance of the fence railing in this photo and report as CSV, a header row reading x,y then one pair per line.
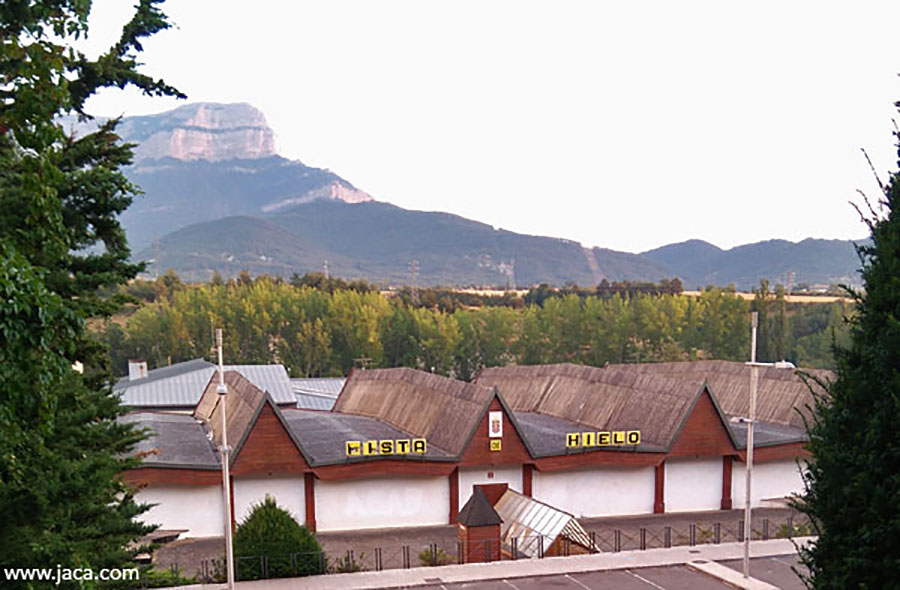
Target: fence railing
x,y
451,551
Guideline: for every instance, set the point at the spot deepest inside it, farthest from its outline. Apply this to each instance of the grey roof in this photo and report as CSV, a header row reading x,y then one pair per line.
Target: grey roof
x,y
323,436
546,435
163,373
175,440
766,434
328,386
478,511
184,388
317,393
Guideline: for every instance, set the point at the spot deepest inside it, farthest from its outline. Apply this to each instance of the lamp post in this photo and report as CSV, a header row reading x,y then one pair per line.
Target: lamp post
x,y
754,319
222,390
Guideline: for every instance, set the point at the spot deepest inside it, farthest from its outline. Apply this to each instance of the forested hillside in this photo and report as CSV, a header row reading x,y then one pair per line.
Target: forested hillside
x,y
321,328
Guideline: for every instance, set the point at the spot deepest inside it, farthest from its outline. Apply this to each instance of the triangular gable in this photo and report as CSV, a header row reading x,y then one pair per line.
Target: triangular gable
x,y
704,431
268,445
513,446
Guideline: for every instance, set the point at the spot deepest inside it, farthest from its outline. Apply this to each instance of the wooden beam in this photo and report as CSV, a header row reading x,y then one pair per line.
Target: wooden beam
x,y
527,479
309,496
659,504
454,494
727,462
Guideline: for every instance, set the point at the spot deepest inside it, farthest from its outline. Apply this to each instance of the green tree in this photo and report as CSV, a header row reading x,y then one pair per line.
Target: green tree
x,y
853,476
63,251
269,543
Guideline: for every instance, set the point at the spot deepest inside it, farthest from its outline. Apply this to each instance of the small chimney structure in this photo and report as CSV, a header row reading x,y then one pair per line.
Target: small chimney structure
x,y
137,369
478,527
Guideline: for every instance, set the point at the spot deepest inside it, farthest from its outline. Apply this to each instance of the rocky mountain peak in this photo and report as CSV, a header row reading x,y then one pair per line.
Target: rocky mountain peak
x,y
201,131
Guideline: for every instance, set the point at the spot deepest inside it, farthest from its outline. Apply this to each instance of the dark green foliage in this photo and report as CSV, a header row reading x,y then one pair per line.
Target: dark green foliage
x,y
269,543
62,252
853,479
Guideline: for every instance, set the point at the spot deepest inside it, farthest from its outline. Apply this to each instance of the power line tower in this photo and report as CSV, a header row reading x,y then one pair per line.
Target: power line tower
x,y
413,280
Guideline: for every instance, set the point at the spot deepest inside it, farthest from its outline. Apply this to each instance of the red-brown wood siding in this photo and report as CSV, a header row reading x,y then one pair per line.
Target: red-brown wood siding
x,y
479,452
776,453
268,449
145,476
382,468
527,479
726,481
309,494
598,459
703,434
453,481
492,491
659,489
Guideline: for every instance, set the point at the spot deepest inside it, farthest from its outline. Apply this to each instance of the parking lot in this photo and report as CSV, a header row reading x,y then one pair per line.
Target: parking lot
x,y
774,570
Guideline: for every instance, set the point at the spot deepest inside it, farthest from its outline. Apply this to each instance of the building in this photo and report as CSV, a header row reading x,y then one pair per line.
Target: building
x,y
405,448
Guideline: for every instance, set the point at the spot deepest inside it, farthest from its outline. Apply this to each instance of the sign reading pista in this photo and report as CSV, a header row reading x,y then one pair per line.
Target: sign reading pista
x,y
401,446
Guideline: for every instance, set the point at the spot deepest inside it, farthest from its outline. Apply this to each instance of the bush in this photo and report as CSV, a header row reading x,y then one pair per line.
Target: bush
x,y
269,543
429,557
347,564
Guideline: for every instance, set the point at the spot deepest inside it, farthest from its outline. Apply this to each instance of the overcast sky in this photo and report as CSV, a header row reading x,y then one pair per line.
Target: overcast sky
x,y
626,125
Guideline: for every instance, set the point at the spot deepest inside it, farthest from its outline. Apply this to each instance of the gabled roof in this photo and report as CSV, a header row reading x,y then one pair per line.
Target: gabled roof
x,y
653,398
442,410
478,511
536,525
181,385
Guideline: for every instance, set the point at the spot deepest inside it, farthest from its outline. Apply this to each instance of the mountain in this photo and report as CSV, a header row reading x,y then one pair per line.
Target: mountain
x,y
205,161
377,241
812,261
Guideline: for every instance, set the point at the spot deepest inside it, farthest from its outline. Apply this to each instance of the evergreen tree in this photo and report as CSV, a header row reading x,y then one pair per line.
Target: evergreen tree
x,y
269,543
61,250
853,477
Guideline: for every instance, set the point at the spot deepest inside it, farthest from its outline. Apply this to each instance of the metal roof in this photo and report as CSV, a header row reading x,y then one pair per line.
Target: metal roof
x,y
163,373
535,525
175,440
317,394
184,388
546,436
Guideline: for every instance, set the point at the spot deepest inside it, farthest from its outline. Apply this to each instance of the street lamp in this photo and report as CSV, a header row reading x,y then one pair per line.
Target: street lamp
x,y
222,390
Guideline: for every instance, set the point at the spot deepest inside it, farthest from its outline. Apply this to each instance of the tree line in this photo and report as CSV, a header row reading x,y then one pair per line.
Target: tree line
x,y
326,328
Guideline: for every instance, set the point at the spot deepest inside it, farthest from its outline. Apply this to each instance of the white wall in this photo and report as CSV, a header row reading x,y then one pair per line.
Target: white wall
x,y
382,502
287,491
469,476
772,479
603,491
195,508
693,484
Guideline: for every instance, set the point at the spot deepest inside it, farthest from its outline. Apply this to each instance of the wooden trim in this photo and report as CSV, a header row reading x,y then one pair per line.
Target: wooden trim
x,y
727,461
309,496
659,488
231,501
383,468
597,459
527,479
148,476
454,494
776,452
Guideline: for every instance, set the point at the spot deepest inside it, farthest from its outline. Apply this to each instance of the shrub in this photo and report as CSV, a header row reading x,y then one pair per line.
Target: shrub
x,y
429,557
269,543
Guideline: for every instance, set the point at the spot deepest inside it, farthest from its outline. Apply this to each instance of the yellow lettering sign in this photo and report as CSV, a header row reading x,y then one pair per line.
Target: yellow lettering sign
x,y
386,447
354,448
402,445
603,439
370,447
618,437
589,439
495,444
634,437
419,446
573,439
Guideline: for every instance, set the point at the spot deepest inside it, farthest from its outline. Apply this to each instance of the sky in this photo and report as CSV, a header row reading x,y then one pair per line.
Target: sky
x,y
624,125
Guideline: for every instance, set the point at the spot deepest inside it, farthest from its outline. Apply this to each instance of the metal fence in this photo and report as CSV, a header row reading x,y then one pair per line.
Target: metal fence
x,y
445,552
